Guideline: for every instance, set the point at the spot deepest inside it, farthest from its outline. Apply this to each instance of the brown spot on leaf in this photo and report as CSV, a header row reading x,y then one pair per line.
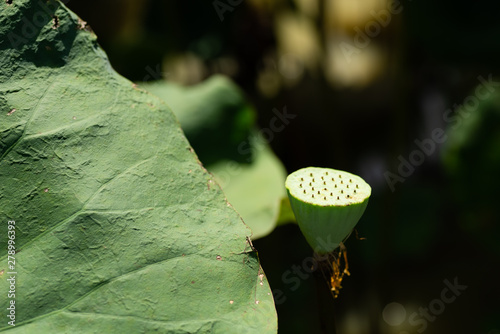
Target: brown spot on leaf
x,y
55,22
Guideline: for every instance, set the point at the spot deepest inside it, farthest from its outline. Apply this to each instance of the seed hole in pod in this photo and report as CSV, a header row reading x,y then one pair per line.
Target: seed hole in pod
x,y
340,176
341,191
347,186
318,192
324,183
326,173
331,194
301,185
312,195
333,179
325,189
338,197
341,182
354,190
310,184
310,174
350,180
335,186
357,186
324,198
313,180
347,196
313,188
322,178
304,191
301,179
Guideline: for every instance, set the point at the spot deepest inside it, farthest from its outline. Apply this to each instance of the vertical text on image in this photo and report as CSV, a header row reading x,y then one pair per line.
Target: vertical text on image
x,y
11,274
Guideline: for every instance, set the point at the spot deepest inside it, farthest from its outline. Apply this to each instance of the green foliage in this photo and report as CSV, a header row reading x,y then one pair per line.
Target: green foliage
x,y
254,189
471,157
119,229
214,115
220,125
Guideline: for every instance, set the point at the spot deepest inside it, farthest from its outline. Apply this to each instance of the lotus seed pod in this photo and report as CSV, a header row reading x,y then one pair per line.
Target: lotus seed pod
x,y
327,204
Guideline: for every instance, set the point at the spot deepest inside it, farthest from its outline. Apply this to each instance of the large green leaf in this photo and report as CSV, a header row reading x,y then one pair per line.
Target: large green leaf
x,y
219,123
119,229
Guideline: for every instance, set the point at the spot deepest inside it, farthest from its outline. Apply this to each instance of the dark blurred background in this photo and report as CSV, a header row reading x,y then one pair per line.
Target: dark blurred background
x,y
365,79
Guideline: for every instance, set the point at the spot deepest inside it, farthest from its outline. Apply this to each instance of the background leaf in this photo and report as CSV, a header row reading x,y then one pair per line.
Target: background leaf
x,y
254,189
471,156
214,115
118,227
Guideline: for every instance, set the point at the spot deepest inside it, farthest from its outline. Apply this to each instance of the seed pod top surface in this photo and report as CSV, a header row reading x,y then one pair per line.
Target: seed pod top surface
x,y
327,187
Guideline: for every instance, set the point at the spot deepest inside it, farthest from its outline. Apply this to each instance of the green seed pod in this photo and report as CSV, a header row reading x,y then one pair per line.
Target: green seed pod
x,y
327,203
